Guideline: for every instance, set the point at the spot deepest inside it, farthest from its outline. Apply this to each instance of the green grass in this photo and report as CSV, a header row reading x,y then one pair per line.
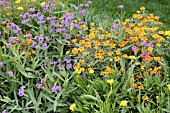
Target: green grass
x,y
109,8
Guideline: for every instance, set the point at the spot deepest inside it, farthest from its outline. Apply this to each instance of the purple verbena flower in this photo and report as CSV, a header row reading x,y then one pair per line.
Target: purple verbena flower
x,y
51,30
116,21
53,89
37,46
120,6
4,111
8,45
33,44
81,5
67,36
30,35
1,64
47,39
44,46
38,85
10,73
3,22
89,2
53,62
41,39
83,11
67,60
87,5
76,8
36,72
21,91
15,31
69,66
143,43
134,48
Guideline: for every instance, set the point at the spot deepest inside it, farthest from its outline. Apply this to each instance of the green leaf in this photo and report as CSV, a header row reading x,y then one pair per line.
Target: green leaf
x,y
90,97
127,47
48,98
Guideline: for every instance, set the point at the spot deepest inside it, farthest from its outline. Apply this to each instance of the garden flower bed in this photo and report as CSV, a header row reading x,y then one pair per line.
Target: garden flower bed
x,y
58,57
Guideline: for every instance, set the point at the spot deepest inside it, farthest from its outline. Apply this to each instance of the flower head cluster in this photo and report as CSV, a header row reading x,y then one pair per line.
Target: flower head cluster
x,y
10,73
53,89
21,91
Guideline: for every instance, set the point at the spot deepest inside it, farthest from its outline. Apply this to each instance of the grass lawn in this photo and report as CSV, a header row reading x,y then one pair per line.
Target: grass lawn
x,y
109,7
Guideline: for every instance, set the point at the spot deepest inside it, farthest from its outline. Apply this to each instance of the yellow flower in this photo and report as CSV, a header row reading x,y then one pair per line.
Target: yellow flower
x,y
123,103
90,70
132,57
67,52
81,61
110,81
92,24
18,1
158,45
111,60
127,20
20,8
78,71
167,33
150,49
33,0
88,45
168,86
110,53
118,52
72,107
82,69
138,11
125,55
142,8
42,3
74,40
74,50
145,97
142,67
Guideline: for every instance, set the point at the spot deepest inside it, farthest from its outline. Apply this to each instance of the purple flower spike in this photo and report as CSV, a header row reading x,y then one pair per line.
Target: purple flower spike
x,y
1,64
10,73
83,12
3,22
120,6
143,43
36,72
53,89
116,21
87,5
89,2
4,111
44,46
21,91
76,8
67,36
81,5
67,60
134,48
47,39
51,30
69,66
38,85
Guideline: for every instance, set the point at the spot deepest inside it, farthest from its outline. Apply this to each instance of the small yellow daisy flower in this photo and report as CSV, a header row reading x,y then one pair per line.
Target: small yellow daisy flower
x,y
72,107
123,103
42,3
20,8
110,81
